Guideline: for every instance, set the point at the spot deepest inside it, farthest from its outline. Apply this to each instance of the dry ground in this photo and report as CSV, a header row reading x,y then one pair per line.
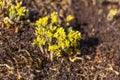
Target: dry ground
x,y
100,46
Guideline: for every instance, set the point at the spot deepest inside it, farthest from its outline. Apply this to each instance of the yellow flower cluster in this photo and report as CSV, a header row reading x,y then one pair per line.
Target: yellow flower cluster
x,y
73,36
14,12
17,11
55,49
42,21
54,18
51,36
64,44
60,34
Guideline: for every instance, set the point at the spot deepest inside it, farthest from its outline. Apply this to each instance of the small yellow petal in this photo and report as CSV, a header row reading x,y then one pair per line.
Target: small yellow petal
x,y
113,11
69,18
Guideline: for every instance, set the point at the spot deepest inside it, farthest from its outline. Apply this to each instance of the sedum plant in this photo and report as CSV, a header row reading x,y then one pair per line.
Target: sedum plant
x,y
12,12
54,40
16,12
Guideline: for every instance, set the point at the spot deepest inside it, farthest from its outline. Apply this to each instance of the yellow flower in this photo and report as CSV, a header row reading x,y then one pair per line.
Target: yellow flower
x,y
18,5
42,21
20,12
63,44
58,53
70,35
49,34
40,41
69,18
53,48
113,12
45,20
77,35
52,28
38,31
67,43
12,10
54,18
60,34
74,35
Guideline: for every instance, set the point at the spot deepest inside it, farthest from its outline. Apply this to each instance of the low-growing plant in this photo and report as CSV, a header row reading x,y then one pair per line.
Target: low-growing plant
x,y
12,12
53,39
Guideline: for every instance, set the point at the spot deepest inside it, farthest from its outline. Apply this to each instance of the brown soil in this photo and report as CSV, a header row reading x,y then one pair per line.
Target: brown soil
x,y
100,46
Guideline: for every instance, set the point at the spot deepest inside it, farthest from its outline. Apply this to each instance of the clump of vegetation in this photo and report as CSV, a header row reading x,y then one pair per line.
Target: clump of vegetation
x,y
53,39
12,13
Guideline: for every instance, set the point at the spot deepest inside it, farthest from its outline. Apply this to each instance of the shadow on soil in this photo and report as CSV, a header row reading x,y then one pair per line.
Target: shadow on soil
x,y
88,46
